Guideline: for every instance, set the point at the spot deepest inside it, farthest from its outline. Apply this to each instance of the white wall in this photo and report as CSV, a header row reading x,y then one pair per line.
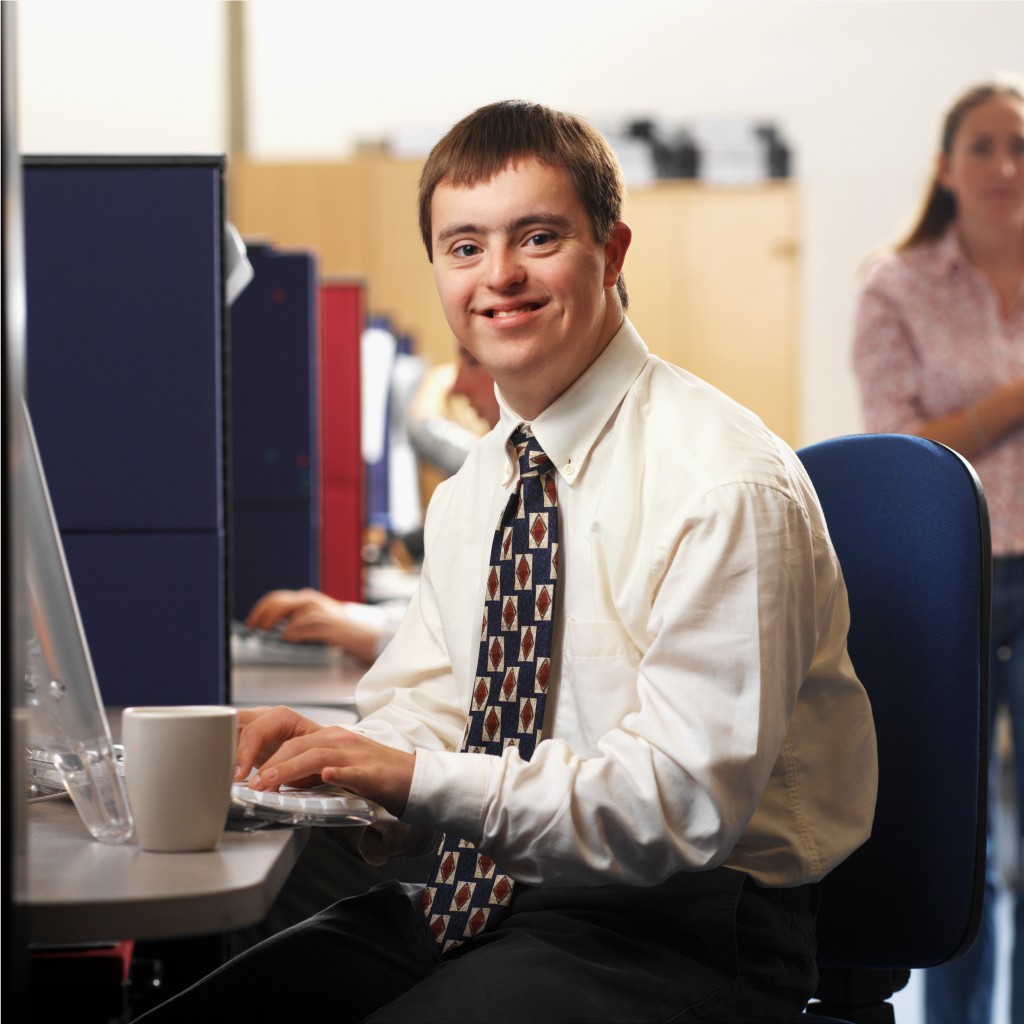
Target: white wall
x,y
858,87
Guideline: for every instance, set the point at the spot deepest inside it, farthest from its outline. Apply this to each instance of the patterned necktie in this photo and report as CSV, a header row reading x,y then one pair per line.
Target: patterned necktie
x,y
466,894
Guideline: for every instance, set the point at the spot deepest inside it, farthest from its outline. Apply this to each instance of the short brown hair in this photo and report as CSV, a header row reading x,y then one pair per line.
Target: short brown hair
x,y
939,208
485,142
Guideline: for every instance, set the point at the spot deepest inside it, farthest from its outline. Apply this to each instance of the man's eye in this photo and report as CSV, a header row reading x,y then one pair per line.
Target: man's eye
x,y
466,249
539,238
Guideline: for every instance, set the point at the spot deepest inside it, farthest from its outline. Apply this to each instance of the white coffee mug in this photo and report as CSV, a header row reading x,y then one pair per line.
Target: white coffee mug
x,y
179,764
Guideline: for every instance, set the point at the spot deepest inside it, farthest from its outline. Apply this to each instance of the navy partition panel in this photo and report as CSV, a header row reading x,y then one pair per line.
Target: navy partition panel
x,y
124,381
274,428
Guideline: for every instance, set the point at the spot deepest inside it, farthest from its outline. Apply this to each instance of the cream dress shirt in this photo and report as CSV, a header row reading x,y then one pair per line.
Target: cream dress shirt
x,y
703,709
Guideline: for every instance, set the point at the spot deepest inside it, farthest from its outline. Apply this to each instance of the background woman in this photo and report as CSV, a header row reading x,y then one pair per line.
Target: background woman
x,y
939,352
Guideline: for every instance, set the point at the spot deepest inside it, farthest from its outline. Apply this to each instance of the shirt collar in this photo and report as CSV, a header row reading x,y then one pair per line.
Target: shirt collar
x,y
568,428
950,260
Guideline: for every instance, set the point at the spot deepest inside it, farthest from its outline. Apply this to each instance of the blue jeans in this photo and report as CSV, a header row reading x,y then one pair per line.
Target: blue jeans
x,y
961,992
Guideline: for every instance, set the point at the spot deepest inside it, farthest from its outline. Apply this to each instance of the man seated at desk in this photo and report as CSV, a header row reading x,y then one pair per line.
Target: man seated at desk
x,y
666,745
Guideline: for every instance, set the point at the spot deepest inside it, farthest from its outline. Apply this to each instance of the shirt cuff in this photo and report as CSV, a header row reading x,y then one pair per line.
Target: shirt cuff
x,y
449,791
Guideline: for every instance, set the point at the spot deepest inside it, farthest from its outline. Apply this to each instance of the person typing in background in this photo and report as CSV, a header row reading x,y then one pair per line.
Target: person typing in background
x,y
364,630
440,432
651,745
939,351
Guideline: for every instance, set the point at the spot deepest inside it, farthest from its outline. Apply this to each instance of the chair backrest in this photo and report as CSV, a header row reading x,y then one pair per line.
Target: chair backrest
x,y
908,520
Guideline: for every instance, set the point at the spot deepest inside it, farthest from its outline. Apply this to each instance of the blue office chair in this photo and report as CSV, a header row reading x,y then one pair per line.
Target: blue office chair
x,y
909,522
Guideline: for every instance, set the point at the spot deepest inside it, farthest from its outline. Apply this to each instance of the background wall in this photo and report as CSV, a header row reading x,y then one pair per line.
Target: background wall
x,y
858,88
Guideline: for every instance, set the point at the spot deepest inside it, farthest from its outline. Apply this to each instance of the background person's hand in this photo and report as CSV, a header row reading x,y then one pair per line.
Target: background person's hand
x,y
308,616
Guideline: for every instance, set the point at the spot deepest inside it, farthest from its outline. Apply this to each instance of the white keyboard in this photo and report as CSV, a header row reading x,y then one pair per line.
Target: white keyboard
x,y
325,806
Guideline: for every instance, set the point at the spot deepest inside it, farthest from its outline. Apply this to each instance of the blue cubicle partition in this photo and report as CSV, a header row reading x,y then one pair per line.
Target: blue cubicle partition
x,y
124,375
275,425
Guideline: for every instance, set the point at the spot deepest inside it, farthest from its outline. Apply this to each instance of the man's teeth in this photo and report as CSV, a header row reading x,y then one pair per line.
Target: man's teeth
x,y
511,312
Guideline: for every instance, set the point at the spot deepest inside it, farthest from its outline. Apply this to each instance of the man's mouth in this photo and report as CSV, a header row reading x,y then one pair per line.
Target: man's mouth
x,y
497,314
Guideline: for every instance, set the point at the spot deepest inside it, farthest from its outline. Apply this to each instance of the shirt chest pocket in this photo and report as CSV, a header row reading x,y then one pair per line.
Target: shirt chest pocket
x,y
600,665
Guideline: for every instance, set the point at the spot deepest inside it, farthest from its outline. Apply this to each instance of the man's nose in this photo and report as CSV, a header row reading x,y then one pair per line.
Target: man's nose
x,y
504,269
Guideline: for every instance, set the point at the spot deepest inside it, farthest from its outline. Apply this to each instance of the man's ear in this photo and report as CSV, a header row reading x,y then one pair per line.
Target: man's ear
x,y
615,252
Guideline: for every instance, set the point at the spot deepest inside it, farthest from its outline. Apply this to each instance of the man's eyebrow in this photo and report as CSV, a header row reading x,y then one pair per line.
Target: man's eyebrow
x,y
541,219
446,234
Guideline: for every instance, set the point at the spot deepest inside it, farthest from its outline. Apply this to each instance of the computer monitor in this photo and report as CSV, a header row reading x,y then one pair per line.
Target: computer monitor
x,y
65,719
12,307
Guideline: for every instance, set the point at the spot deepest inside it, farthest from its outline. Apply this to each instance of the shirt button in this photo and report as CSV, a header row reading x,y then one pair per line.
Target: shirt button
x,y
568,469
508,471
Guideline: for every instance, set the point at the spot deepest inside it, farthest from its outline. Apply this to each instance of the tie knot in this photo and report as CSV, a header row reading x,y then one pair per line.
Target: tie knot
x,y
532,459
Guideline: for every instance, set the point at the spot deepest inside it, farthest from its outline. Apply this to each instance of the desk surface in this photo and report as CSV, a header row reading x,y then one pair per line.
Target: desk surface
x,y
80,890
331,685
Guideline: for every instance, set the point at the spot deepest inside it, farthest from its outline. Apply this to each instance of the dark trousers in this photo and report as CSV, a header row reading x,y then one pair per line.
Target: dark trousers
x,y
708,946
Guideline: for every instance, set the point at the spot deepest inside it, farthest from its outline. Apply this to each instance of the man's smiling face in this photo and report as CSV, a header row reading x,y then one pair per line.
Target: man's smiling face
x,y
526,288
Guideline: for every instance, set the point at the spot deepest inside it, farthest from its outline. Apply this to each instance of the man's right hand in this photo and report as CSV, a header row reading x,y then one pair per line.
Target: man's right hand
x,y
288,749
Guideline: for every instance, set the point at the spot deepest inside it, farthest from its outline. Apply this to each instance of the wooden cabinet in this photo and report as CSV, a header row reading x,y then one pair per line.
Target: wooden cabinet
x,y
712,279
360,218
711,272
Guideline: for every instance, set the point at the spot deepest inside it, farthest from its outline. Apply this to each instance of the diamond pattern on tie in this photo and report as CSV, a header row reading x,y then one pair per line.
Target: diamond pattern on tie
x,y
538,530
497,654
501,891
466,894
510,685
527,714
510,615
481,689
527,643
491,728
543,669
524,570
463,896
